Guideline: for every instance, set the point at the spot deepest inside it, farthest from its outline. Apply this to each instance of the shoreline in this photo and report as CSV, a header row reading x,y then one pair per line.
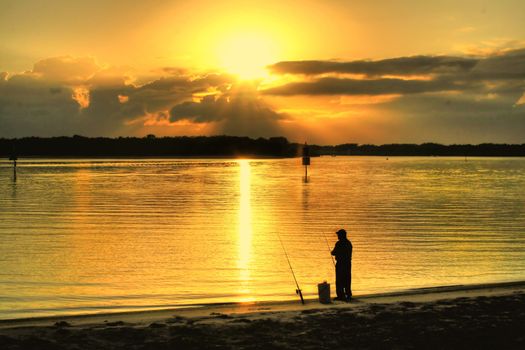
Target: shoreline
x,y
486,316
200,310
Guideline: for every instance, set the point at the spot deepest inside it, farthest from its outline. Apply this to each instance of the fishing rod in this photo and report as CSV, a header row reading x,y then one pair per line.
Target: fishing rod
x,y
328,246
298,290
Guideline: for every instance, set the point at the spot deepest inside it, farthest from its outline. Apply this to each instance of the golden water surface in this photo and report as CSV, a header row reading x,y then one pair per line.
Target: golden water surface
x,y
82,236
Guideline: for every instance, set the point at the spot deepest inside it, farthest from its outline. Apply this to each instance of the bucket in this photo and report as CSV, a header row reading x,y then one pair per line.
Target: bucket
x,y
324,292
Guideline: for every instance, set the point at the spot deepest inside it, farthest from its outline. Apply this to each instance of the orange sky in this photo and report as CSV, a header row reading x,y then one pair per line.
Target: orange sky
x,y
376,71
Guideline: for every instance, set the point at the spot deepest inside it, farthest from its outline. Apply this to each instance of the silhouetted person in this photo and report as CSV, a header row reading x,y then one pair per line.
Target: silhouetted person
x,y
343,267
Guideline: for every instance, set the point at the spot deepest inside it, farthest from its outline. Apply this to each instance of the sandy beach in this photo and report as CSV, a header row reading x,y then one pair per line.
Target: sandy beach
x,y
473,316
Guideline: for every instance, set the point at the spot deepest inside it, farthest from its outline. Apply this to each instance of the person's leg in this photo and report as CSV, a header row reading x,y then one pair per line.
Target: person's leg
x,y
345,281
339,283
339,290
348,286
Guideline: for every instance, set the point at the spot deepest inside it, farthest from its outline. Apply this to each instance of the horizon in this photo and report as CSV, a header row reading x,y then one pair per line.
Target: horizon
x,y
324,72
152,136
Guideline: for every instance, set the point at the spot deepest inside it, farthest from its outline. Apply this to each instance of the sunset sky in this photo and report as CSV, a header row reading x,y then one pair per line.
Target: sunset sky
x,y
325,72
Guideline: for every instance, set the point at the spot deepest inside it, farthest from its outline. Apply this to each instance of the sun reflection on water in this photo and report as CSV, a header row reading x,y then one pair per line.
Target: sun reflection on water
x,y
245,230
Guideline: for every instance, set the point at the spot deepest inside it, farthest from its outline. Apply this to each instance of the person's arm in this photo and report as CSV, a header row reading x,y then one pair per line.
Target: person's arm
x,y
334,251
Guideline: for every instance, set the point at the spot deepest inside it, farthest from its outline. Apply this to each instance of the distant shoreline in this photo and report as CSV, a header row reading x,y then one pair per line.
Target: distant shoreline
x,y
232,147
175,157
20,161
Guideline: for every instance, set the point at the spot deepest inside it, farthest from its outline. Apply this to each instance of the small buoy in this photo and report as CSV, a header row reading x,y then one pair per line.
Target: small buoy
x,y
324,293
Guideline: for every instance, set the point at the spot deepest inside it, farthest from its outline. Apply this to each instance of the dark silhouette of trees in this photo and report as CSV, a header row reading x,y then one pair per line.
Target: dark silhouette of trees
x,y
425,149
149,146
230,146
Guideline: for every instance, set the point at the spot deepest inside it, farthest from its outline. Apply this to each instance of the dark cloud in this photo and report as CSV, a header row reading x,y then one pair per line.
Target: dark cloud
x,y
415,65
340,86
502,72
64,96
474,96
240,112
108,112
458,100
509,65
207,110
30,106
183,83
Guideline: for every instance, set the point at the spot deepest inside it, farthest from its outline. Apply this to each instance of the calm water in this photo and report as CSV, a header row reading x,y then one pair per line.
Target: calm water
x,y
79,236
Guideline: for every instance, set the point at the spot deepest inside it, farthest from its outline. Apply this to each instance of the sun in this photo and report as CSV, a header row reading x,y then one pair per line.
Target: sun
x,y
246,54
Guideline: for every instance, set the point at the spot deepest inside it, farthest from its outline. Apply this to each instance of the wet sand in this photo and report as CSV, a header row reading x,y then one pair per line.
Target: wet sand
x,y
480,316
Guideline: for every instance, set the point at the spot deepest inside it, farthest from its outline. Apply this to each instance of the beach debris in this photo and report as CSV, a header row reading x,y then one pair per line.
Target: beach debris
x,y
377,307
62,324
176,319
114,324
242,320
313,311
157,325
407,304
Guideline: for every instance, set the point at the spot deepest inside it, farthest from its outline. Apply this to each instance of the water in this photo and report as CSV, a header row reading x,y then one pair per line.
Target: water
x,y
83,236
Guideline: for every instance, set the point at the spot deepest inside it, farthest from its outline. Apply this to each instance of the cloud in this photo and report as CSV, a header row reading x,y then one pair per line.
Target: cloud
x,y
31,106
65,95
206,110
66,69
509,65
407,99
415,65
504,71
116,105
239,112
341,86
431,98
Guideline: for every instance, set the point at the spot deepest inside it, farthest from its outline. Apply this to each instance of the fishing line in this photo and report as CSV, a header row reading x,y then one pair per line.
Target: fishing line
x,y
328,246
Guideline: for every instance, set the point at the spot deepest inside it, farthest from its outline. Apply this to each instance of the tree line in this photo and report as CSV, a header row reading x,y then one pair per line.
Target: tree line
x,y
149,146
229,146
424,149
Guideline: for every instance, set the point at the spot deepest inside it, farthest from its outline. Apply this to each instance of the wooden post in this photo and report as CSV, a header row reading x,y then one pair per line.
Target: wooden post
x,y
14,158
306,172
306,161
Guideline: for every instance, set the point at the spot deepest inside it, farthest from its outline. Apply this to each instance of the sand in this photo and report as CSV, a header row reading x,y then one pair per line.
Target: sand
x,y
479,316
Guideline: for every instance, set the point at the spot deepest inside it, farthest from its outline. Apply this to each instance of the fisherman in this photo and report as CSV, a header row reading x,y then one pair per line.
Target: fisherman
x,y
343,268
